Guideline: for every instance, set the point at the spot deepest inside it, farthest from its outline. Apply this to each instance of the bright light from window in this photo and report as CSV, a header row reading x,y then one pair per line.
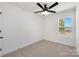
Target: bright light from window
x,y
65,25
68,21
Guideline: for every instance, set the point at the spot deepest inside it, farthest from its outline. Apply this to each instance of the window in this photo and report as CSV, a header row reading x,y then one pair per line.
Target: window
x,y
65,25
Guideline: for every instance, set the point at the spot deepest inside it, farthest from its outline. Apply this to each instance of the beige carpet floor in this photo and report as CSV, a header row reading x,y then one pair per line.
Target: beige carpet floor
x,y
44,48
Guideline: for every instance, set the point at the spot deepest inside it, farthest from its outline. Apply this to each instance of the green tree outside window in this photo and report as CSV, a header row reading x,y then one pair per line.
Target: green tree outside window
x,y
61,25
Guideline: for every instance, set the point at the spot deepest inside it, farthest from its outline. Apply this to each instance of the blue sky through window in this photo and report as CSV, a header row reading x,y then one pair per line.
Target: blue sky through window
x,y
67,21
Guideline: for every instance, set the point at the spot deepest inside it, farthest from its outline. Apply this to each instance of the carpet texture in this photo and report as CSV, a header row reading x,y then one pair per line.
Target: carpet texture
x,y
44,48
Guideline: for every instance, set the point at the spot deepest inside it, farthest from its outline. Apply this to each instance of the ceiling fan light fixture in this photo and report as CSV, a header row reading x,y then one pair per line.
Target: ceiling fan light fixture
x,y
45,9
44,13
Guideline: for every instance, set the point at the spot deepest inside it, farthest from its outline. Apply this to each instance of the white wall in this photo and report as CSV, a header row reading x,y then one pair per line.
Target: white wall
x,y
20,28
0,34
77,28
52,33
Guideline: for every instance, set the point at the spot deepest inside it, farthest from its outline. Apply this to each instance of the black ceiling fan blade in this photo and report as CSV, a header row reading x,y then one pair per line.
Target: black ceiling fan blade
x,y
51,11
40,5
56,3
38,11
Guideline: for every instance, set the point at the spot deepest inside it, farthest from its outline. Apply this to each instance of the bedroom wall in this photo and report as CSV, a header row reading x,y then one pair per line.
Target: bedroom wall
x,y
77,28
51,28
19,28
0,32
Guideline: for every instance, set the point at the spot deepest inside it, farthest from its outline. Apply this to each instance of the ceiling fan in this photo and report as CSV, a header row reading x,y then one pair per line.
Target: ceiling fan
x,y
45,8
